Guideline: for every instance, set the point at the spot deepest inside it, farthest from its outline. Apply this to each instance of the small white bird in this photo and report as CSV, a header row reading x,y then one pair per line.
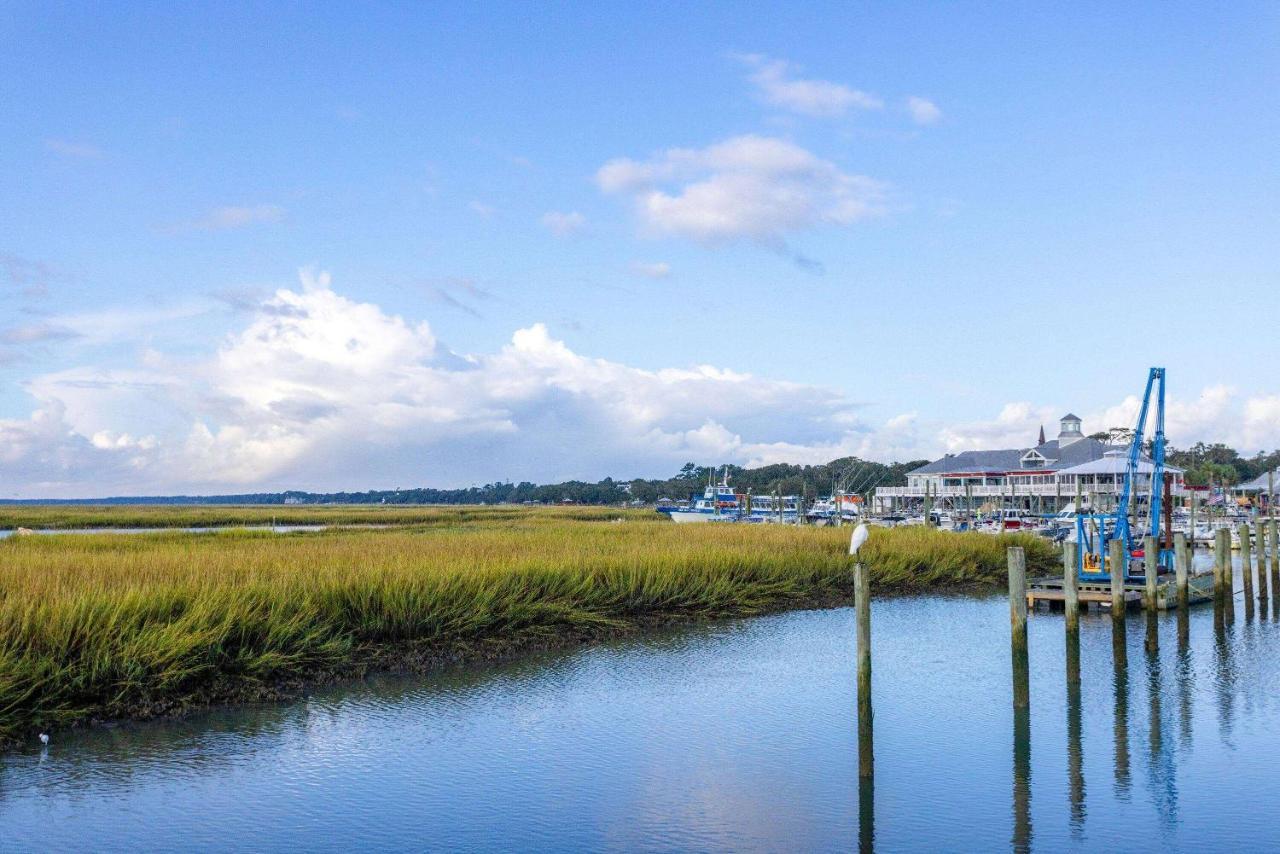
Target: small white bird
x,y
44,738
858,537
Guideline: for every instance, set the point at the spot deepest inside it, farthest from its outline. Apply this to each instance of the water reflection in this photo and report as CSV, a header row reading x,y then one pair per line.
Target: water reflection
x,y
1224,676
1162,777
1120,690
866,767
1021,748
1184,677
1075,751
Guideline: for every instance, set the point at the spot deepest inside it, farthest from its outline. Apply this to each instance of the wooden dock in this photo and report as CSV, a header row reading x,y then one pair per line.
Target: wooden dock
x,y
1048,593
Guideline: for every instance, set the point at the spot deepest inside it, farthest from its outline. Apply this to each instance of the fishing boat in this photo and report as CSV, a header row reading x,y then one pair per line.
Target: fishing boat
x,y
771,508
719,503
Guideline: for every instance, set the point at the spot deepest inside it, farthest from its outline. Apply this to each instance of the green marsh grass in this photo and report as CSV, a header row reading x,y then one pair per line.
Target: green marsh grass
x,y
96,626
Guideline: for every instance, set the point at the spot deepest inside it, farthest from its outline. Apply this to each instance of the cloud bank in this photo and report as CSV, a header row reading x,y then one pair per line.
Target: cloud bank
x,y
316,391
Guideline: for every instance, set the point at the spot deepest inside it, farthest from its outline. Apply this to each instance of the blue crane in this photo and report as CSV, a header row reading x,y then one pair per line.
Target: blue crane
x,y
1115,525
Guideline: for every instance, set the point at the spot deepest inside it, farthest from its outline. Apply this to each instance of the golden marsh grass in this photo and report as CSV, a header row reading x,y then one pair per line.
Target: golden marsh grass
x,y
117,625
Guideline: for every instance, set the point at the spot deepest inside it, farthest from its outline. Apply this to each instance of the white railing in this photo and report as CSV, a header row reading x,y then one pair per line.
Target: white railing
x,y
1068,493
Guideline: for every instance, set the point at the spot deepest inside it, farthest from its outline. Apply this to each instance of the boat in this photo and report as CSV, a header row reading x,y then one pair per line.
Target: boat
x,y
771,508
719,503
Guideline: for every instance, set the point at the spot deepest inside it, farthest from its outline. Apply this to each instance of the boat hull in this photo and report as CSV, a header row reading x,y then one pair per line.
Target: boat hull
x,y
686,517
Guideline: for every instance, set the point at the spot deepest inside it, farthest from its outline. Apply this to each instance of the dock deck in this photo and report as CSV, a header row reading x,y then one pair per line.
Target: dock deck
x,y
1049,594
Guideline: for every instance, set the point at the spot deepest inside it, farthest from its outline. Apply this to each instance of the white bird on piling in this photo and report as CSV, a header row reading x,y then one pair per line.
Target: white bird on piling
x,y
44,738
858,537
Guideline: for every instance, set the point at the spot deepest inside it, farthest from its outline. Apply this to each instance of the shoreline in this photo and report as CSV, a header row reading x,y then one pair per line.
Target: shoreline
x,y
423,658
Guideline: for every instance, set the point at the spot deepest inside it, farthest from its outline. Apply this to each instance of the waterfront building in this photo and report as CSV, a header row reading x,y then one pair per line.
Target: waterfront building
x,y
1044,477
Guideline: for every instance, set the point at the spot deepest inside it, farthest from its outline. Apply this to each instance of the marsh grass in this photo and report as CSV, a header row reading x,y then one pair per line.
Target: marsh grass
x,y
64,516
105,626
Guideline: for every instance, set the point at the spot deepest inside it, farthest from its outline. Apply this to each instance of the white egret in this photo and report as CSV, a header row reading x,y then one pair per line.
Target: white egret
x,y
859,537
44,738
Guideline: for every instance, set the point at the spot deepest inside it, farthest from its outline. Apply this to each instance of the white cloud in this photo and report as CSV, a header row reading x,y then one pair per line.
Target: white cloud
x,y
652,270
923,111
481,209
564,224
230,217
317,391
748,187
77,150
776,84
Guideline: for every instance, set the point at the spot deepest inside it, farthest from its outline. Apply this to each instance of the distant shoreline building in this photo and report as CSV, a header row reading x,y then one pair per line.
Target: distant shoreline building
x,y
1043,478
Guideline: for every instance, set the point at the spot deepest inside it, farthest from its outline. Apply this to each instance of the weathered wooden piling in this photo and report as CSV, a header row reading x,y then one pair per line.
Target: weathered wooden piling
x,y
862,608
1218,571
1116,568
1071,584
1262,567
1181,567
1275,565
1246,566
1018,625
1150,569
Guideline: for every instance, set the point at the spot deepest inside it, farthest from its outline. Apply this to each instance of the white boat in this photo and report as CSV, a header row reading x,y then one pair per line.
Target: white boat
x,y
719,503
769,508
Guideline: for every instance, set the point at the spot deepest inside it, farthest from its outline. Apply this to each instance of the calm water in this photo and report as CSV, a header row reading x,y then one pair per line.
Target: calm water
x,y
279,529
740,736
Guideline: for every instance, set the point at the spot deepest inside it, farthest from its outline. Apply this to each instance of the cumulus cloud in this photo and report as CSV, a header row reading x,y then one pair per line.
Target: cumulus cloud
x,y
923,111
564,224
1219,413
231,217
315,390
777,84
652,269
745,188
319,391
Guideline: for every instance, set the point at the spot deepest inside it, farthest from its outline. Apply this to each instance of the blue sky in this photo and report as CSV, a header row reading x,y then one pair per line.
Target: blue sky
x,y
729,232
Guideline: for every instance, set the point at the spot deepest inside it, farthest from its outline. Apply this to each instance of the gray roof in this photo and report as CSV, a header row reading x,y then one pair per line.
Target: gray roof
x,y
1070,417
1259,483
1116,463
976,462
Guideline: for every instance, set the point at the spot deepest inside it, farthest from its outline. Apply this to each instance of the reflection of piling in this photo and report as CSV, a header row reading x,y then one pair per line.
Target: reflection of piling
x,y
1246,565
1071,584
866,814
1116,567
1075,752
1184,676
1021,779
1120,687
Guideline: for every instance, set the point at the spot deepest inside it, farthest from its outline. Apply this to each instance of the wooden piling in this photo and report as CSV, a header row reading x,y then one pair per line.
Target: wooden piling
x,y
1150,569
1275,565
1262,566
1181,567
1071,583
1018,625
862,608
1246,565
1116,568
